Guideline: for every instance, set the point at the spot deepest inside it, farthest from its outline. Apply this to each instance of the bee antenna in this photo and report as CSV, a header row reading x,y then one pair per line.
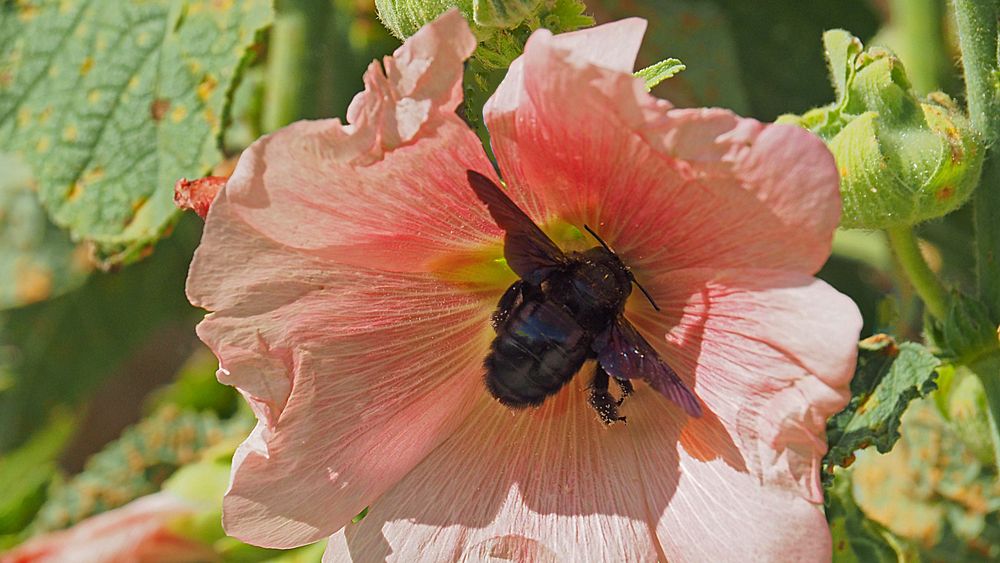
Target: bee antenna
x,y
599,239
644,292
630,275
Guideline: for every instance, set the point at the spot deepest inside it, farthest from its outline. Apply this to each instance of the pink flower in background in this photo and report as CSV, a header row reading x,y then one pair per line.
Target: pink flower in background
x,y
351,272
137,532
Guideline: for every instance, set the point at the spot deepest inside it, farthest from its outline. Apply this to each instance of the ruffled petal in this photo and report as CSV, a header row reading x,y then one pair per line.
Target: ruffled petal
x,y
546,484
669,189
389,190
769,353
718,513
356,374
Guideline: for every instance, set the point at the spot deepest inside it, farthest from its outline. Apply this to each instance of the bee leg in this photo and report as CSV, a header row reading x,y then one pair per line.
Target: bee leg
x,y
602,401
626,387
506,304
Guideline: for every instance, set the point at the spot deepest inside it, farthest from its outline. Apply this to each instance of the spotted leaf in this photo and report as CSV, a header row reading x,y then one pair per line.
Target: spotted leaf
x,y
111,102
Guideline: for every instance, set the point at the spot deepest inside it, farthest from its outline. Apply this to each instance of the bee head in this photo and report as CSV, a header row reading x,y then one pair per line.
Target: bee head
x,y
624,267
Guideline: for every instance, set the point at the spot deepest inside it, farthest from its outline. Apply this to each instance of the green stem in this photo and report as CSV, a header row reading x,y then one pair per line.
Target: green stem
x,y
977,35
925,282
986,221
987,368
978,23
978,30
921,41
294,61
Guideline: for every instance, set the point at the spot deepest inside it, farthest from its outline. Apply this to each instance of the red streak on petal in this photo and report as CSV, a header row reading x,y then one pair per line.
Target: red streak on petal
x,y
197,195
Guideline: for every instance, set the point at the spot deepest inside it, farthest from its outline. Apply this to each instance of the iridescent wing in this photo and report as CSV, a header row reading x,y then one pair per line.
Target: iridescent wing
x,y
526,248
625,354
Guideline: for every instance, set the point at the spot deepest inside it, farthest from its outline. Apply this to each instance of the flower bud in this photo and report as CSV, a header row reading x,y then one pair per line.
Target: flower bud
x,y
902,160
404,17
501,26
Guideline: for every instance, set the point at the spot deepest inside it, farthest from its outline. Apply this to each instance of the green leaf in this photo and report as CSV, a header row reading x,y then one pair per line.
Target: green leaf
x,y
932,490
566,15
654,74
856,539
888,377
37,259
968,331
961,400
111,102
26,472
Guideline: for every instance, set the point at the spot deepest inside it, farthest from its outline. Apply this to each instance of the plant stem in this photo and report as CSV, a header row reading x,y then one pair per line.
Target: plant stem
x,y
978,28
977,34
925,282
978,23
987,368
986,220
294,60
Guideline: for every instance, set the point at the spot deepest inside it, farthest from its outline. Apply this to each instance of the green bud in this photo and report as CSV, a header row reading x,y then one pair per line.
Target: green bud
x,y
902,160
404,17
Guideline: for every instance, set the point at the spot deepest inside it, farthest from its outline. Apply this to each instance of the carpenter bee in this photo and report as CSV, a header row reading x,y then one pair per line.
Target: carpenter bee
x,y
564,310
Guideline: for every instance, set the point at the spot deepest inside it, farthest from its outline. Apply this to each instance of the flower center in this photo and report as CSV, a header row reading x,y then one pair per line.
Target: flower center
x,y
484,270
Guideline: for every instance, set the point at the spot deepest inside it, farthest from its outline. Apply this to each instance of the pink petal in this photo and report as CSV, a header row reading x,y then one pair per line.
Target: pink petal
x,y
714,509
543,484
613,45
771,355
670,189
138,531
556,484
718,513
356,374
389,190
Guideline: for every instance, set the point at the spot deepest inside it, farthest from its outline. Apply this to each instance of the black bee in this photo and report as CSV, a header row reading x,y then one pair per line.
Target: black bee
x,y
566,309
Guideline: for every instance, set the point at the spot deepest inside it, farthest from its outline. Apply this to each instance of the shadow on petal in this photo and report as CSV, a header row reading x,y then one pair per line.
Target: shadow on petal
x,y
548,480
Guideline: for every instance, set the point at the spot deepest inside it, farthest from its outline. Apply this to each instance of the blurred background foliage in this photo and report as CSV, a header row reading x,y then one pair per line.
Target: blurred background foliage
x,y
105,392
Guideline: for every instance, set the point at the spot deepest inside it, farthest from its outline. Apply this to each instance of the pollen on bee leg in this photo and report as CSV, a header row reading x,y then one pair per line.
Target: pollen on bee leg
x,y
603,401
626,387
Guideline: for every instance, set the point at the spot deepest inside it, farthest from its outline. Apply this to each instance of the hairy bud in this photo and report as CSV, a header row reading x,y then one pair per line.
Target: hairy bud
x,y
902,160
501,26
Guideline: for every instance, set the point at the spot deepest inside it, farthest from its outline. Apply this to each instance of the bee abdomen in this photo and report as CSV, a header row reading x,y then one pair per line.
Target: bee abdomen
x,y
535,354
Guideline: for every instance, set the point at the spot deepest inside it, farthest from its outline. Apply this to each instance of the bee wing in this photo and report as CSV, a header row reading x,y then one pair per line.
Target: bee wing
x,y
625,354
526,248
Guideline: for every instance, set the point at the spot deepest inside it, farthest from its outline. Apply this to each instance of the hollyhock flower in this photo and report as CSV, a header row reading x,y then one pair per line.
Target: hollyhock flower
x,y
138,531
351,273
